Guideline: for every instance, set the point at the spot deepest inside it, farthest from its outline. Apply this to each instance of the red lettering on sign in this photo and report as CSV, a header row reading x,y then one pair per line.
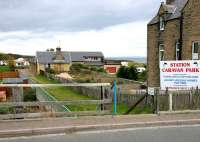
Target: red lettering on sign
x,y
172,70
192,70
180,65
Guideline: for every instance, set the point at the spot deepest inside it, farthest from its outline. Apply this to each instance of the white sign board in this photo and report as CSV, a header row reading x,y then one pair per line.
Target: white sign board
x,y
151,91
179,75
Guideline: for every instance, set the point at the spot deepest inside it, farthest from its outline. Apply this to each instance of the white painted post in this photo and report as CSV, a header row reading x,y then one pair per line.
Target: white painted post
x,y
170,102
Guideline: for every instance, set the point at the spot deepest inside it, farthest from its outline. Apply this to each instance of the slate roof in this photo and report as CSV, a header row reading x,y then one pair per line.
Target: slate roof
x,y
79,56
173,10
112,62
49,57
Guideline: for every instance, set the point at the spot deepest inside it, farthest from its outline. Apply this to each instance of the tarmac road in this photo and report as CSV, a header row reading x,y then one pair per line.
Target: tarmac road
x,y
154,134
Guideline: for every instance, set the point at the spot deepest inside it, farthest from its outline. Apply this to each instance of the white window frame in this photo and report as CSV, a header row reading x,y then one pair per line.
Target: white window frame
x,y
162,23
177,50
161,50
195,55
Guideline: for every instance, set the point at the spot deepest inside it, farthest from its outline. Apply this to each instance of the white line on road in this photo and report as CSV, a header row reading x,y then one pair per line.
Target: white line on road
x,y
30,137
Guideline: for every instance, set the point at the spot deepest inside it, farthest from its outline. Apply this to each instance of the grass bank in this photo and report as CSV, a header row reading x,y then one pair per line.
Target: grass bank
x,y
65,94
4,68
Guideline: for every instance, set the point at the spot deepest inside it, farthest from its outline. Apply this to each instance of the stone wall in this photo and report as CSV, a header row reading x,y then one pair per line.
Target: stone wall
x,y
191,27
168,37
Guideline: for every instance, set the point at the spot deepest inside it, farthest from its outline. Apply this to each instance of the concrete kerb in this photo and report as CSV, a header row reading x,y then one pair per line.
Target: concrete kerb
x,y
179,112
74,129
82,117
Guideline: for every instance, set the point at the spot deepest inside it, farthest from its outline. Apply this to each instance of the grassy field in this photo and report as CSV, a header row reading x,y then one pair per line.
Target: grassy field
x,y
4,68
65,94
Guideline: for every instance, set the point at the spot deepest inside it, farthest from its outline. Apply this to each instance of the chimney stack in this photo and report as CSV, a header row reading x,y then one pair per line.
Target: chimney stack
x,y
58,49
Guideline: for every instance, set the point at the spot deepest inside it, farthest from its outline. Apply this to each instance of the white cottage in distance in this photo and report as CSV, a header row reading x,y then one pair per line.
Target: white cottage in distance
x,y
21,62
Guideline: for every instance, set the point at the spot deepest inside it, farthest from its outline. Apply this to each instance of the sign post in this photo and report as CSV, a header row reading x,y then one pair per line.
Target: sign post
x,y
115,97
170,102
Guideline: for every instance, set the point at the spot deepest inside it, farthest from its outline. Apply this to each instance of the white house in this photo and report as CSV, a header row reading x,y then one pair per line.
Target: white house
x,y
21,62
124,63
3,63
141,69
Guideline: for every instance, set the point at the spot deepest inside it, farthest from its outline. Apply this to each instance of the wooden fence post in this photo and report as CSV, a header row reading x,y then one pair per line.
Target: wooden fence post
x,y
191,98
102,97
170,102
157,100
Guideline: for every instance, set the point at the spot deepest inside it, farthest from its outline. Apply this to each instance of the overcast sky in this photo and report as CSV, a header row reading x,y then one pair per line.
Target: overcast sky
x,y
115,27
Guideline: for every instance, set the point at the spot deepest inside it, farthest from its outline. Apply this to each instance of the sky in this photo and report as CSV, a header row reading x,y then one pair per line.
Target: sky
x,y
118,28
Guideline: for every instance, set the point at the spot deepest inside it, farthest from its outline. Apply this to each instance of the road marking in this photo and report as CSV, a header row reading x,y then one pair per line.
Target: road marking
x,y
30,137
135,129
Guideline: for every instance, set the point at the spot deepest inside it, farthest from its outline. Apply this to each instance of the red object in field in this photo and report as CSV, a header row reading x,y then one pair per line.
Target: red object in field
x,y
2,96
111,69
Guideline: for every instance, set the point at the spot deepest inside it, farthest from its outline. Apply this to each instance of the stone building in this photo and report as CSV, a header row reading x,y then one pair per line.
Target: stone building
x,y
173,34
60,61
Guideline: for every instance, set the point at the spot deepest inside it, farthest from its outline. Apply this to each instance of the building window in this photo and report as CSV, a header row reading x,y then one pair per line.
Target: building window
x,y
162,24
178,51
195,53
161,52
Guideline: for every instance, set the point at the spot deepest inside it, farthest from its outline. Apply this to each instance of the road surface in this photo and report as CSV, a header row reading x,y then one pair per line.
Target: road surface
x,y
157,134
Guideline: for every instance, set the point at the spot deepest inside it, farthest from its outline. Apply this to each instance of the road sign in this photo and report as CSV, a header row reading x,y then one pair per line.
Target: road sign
x,y
179,75
151,91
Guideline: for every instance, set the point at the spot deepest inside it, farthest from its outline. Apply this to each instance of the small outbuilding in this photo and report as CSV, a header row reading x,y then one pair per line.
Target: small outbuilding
x,y
16,92
112,66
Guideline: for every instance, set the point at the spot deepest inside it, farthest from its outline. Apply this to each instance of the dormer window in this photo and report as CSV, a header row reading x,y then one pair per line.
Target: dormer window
x,y
162,23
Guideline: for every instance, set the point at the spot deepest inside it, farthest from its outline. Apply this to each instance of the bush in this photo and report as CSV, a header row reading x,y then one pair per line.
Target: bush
x,y
128,73
49,70
142,76
132,73
101,70
42,73
5,110
93,69
30,95
123,72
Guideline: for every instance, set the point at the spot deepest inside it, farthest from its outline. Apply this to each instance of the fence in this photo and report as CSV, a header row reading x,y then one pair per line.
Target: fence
x,y
54,114
61,106
173,101
10,74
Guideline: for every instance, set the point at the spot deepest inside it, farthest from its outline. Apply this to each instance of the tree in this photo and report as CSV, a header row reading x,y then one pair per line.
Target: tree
x,y
128,72
133,74
142,76
121,72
